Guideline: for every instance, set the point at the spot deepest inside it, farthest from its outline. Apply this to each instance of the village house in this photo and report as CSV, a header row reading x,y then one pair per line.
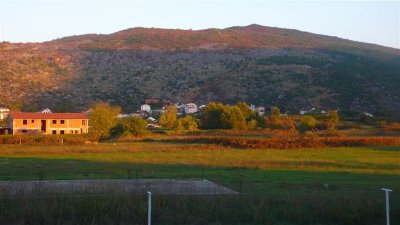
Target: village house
x,y
48,123
190,108
4,112
145,108
260,110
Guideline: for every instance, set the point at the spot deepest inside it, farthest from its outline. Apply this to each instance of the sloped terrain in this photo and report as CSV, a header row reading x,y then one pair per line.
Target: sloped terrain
x,y
261,65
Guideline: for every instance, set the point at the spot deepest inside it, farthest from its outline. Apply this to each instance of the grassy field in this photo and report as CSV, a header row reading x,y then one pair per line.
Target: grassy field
x,y
302,186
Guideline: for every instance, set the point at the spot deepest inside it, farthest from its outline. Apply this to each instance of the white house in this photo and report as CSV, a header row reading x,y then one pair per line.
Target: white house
x,y
145,108
47,110
260,110
302,112
190,108
151,119
4,113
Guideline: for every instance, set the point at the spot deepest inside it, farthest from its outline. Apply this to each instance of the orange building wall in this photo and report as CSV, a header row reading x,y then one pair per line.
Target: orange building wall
x,y
70,126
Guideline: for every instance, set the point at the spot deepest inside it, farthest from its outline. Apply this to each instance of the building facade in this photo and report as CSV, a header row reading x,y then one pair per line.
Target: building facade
x,y
190,108
48,123
145,108
4,113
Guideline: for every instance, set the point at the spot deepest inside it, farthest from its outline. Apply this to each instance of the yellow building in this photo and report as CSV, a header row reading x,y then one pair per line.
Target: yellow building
x,y
48,123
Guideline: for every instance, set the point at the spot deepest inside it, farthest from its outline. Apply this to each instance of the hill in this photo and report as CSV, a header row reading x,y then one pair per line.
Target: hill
x,y
261,65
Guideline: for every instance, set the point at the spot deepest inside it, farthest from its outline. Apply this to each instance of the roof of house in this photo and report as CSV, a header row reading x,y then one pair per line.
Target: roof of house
x,y
32,115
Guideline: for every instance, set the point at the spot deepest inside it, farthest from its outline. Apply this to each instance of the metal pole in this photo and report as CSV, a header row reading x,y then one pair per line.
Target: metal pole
x,y
387,205
149,209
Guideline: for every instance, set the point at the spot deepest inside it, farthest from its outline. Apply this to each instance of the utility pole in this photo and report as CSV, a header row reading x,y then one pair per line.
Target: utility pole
x,y
149,209
387,205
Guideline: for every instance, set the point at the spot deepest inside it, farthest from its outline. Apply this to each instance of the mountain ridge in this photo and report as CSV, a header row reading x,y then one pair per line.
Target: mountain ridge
x,y
263,65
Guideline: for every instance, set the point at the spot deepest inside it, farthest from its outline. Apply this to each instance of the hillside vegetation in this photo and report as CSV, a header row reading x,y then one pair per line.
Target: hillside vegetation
x,y
261,65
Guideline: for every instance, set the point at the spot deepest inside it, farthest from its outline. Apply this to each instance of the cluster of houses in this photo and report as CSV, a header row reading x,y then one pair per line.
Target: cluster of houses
x,y
47,122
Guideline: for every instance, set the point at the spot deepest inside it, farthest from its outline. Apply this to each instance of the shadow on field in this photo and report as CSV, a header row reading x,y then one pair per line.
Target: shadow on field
x,y
267,196
240,179
390,149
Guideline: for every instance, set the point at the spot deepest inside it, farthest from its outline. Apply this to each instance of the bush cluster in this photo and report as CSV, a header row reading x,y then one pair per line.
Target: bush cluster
x,y
45,139
292,142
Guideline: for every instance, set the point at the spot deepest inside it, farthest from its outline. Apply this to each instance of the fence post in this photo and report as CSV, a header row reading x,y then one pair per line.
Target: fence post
x,y
149,209
387,205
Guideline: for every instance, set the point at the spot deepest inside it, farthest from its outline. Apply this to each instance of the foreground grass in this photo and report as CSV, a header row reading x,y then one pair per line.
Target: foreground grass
x,y
305,186
367,160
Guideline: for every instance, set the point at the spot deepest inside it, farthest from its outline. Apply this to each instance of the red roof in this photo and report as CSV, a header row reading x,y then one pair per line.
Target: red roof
x,y
32,115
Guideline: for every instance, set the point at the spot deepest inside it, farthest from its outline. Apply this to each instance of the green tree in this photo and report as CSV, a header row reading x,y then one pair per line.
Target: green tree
x,y
15,106
275,113
332,119
186,123
219,116
252,124
237,119
102,118
215,116
246,111
131,125
306,123
283,123
168,118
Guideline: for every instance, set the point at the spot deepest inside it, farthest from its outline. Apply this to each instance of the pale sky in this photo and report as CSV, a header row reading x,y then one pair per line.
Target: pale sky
x,y
374,22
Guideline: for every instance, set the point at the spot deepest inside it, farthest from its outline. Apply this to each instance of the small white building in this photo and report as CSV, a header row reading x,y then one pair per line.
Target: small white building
x,y
47,110
368,114
151,119
145,108
260,110
190,108
4,112
302,112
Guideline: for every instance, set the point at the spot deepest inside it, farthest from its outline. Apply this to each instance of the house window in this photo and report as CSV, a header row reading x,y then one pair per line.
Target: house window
x,y
24,122
32,121
61,131
24,131
62,121
54,121
54,132
83,122
76,131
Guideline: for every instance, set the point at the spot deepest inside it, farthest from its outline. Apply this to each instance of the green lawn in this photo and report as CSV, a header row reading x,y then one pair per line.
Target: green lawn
x,y
326,181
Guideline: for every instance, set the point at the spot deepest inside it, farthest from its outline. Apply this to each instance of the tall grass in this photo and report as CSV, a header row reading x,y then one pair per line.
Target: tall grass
x,y
300,209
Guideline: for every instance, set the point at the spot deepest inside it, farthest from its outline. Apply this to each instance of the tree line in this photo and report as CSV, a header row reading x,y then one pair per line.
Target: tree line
x,y
105,124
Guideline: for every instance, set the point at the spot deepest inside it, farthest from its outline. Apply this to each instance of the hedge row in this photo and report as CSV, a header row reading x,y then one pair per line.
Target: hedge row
x,y
293,142
44,139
